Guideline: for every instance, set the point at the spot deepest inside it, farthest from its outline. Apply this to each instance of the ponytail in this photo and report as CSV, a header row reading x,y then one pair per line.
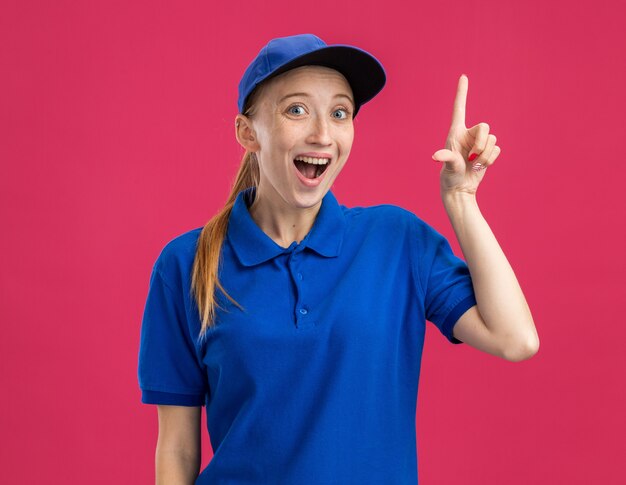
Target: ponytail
x,y
204,279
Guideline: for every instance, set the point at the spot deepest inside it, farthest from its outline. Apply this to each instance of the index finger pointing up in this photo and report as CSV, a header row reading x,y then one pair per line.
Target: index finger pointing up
x,y
458,113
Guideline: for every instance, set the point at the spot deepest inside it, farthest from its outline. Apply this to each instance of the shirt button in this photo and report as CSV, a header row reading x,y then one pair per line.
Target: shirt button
x,y
303,311
299,276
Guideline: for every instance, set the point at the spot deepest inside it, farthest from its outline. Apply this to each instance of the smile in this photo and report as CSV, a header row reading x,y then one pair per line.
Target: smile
x,y
311,167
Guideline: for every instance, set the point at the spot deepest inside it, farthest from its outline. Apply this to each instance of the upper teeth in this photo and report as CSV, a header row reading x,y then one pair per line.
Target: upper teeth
x,y
316,161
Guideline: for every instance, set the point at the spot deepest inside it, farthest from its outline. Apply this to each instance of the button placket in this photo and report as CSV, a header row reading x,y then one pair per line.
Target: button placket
x,y
302,311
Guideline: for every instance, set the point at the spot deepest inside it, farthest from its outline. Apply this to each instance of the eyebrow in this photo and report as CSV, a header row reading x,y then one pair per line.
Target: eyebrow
x,y
308,95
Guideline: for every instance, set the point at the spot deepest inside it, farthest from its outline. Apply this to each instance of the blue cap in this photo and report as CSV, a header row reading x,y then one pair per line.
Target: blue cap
x,y
364,72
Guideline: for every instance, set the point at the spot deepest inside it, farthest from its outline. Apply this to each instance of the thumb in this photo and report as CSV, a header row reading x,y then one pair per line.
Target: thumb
x,y
446,156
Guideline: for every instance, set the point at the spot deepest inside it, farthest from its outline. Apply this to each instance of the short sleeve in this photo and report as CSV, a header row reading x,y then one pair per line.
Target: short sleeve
x,y
444,278
169,371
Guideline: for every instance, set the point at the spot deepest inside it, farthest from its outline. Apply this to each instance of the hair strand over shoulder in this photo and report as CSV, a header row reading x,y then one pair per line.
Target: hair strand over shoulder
x,y
204,279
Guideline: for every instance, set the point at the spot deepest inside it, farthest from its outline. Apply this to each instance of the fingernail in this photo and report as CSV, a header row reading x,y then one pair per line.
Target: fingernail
x,y
473,156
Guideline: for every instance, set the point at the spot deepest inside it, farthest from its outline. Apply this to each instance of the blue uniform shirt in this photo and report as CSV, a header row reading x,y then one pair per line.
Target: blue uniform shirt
x,y
316,381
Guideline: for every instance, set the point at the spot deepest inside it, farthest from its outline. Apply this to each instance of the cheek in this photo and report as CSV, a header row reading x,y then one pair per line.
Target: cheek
x,y
283,139
346,142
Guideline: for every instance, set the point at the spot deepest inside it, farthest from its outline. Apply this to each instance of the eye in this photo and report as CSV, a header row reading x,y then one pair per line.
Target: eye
x,y
345,110
295,106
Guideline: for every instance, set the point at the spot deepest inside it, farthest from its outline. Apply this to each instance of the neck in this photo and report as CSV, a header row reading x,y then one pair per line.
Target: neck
x,y
282,222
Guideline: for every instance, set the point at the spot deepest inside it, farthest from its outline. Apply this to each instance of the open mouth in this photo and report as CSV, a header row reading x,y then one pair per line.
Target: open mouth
x,y
310,167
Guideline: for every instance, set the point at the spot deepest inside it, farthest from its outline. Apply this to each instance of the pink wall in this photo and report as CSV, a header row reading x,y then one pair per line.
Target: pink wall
x,y
117,134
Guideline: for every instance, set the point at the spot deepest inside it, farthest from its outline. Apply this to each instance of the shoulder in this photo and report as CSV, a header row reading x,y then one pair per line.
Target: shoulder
x,y
176,256
378,213
388,218
391,221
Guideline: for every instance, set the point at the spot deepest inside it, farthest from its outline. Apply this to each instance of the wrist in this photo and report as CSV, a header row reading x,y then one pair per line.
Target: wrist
x,y
457,198
463,211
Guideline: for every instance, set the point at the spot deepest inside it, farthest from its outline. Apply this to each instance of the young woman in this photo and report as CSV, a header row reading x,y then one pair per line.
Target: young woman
x,y
298,322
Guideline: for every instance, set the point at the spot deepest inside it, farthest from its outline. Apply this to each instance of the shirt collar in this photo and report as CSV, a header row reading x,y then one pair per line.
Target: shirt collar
x,y
252,246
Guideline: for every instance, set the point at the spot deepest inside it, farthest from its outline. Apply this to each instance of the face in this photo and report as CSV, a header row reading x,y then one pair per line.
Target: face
x,y
306,111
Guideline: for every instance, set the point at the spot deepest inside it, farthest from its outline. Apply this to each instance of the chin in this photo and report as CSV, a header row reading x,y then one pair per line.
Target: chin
x,y
306,201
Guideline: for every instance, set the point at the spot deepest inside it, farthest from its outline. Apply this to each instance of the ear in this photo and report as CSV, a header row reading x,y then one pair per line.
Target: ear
x,y
245,134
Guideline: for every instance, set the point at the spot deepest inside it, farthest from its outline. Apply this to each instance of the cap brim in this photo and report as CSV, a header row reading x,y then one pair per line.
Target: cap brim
x,y
364,72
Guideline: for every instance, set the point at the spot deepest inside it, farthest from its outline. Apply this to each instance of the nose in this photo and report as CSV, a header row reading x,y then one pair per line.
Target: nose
x,y
319,131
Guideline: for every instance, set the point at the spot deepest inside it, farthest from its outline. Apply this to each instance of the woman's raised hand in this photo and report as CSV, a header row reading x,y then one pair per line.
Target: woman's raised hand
x,y
468,152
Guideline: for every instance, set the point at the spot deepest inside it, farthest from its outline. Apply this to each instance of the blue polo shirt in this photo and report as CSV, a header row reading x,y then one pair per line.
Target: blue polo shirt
x,y
315,382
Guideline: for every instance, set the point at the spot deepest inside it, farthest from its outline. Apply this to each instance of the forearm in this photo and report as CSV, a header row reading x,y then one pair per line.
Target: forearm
x,y
175,468
500,299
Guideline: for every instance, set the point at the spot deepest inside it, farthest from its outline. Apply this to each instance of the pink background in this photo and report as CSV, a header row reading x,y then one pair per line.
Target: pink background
x,y
117,134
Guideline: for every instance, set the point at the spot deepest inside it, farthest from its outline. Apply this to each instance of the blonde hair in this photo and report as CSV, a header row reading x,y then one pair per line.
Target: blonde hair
x,y
204,277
